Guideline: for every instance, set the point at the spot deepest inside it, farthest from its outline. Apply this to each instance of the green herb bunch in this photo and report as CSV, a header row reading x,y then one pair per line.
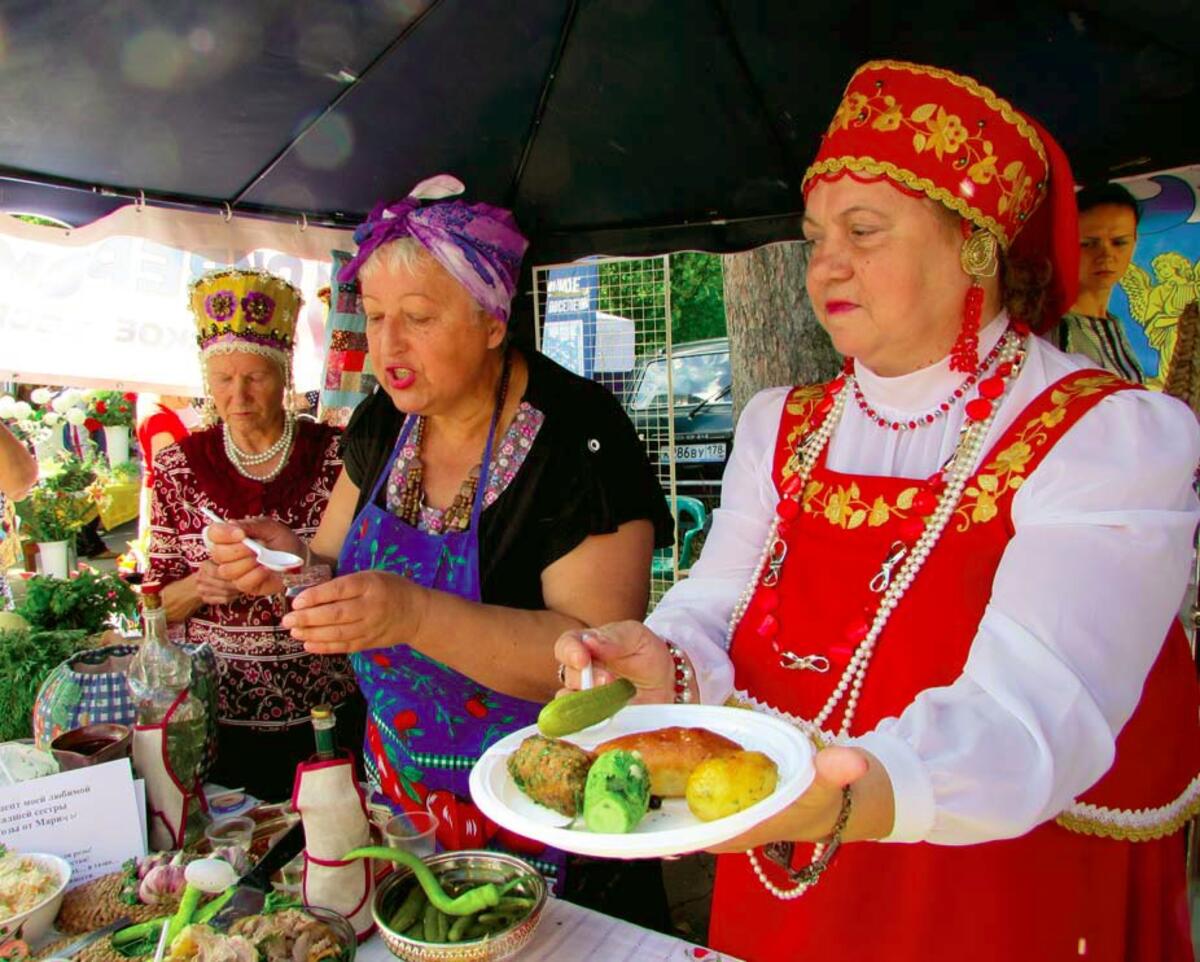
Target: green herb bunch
x,y
87,602
26,658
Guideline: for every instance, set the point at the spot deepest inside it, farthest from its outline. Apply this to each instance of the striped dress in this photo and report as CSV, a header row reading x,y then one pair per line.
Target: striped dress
x,y
1103,340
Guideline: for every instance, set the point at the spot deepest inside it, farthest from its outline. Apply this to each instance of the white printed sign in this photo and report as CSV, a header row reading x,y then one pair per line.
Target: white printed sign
x,y
89,816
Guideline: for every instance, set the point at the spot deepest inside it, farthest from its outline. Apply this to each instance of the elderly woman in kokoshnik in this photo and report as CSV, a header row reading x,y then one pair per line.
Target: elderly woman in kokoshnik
x,y
453,581
954,568
253,459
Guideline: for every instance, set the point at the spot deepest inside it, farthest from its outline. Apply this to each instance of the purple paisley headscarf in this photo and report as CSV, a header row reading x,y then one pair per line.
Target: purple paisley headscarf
x,y
477,243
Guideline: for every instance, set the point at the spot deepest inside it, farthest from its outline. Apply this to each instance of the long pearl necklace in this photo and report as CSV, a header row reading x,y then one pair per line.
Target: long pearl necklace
x,y
953,476
241,459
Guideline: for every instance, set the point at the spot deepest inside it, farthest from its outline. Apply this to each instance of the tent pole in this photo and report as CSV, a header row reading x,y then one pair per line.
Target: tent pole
x,y
535,123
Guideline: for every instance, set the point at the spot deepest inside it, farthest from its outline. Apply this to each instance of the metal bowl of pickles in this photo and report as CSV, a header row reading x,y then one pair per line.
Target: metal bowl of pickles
x,y
486,936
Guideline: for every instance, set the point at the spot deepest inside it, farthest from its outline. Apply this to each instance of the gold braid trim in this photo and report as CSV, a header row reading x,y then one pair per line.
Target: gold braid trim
x,y
869,165
905,177
1142,825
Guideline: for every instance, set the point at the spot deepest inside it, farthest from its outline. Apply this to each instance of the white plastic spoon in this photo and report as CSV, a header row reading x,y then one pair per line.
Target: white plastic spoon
x,y
269,558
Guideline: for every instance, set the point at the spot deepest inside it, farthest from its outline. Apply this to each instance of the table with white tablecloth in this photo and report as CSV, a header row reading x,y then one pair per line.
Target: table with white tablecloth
x,y
568,932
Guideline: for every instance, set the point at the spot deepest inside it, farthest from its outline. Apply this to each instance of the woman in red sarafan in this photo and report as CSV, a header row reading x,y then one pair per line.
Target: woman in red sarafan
x,y
956,567
256,461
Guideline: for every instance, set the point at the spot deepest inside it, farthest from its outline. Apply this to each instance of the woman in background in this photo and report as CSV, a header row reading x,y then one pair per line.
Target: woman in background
x,y
256,461
1108,226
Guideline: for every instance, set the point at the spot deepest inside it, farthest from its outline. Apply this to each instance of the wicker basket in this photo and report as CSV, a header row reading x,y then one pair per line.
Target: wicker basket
x,y
95,904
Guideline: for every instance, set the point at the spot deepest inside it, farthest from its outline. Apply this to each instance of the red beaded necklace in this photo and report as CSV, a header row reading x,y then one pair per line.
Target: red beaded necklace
x,y
940,411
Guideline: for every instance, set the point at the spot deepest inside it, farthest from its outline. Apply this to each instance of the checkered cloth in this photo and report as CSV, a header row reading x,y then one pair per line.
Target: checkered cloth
x,y
91,687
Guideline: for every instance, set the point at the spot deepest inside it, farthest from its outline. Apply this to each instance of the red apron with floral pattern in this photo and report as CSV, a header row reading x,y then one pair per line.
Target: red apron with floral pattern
x,y
1075,887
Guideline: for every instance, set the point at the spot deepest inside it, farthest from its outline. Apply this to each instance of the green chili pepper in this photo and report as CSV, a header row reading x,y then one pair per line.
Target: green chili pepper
x,y
484,896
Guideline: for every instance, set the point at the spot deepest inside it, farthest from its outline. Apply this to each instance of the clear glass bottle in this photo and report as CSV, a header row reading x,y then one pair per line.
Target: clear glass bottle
x,y
160,677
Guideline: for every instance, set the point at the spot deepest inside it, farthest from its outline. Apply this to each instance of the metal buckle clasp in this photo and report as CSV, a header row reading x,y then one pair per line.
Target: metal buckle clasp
x,y
880,582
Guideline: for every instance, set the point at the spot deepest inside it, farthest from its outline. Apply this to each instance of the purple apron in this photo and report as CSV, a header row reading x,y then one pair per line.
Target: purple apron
x,y
427,724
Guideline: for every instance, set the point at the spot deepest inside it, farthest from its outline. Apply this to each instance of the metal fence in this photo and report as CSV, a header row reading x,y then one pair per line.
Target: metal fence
x,y
606,319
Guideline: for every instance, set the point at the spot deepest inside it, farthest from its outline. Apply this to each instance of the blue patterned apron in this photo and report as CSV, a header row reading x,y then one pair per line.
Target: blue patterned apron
x,y
427,724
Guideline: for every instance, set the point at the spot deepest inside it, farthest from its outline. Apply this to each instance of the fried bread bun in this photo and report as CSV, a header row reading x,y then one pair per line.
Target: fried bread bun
x,y
670,754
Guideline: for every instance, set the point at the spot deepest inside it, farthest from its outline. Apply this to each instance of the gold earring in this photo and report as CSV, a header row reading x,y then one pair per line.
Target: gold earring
x,y
978,255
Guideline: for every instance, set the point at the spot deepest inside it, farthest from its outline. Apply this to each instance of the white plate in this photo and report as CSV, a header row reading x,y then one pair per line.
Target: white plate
x,y
672,829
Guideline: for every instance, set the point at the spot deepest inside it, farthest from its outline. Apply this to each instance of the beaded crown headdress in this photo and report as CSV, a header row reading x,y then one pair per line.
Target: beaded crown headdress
x,y
239,308
244,310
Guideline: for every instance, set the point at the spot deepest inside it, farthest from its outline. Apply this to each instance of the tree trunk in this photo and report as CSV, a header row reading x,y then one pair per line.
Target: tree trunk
x,y
774,337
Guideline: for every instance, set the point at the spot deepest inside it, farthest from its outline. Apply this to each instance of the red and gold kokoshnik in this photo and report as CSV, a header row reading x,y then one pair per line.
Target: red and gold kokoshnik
x,y
942,134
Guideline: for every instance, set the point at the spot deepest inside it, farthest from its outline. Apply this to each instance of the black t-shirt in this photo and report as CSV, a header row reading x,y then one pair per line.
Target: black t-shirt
x,y
585,474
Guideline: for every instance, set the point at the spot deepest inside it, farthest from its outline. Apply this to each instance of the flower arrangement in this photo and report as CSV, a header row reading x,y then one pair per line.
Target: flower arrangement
x,y
59,504
34,423
111,409
89,601
49,514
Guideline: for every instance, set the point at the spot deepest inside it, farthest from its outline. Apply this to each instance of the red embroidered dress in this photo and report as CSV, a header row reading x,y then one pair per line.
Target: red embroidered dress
x,y
267,679
1067,889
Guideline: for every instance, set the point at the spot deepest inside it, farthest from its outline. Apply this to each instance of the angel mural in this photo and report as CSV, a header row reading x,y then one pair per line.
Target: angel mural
x,y
1156,303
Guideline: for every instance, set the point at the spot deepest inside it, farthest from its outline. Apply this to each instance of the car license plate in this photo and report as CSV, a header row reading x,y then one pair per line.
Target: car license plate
x,y
695,453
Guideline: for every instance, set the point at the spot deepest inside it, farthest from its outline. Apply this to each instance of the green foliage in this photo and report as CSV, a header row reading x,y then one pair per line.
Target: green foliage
x,y
39,221
697,297
84,602
72,474
123,472
26,658
629,289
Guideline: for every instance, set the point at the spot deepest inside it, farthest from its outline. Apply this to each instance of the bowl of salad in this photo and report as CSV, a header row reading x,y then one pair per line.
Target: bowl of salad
x,y
31,891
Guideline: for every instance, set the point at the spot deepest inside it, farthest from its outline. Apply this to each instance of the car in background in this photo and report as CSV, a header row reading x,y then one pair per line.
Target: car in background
x,y
702,389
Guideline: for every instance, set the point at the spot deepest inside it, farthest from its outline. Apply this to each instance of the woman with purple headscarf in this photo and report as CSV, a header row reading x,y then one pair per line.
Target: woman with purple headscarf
x,y
490,500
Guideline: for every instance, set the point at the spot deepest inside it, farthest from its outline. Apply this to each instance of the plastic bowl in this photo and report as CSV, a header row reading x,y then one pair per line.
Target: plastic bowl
x,y
457,868
36,922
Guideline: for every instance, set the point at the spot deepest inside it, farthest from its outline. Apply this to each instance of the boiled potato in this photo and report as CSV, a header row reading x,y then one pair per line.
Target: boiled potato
x,y
729,783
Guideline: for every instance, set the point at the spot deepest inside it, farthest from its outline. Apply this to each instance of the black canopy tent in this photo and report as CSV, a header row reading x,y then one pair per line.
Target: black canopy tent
x,y
615,126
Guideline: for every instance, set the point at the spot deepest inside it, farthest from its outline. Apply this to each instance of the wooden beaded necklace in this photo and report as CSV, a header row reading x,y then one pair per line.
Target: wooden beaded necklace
x,y
456,517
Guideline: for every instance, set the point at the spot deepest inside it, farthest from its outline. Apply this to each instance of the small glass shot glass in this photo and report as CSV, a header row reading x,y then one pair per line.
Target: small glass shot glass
x,y
291,877
237,832
297,581
413,832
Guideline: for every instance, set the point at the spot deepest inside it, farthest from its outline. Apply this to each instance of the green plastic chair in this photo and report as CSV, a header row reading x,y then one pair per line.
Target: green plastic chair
x,y
690,519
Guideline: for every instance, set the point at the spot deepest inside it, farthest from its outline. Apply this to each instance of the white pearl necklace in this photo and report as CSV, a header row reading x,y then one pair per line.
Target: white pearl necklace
x,y
242,460
959,470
